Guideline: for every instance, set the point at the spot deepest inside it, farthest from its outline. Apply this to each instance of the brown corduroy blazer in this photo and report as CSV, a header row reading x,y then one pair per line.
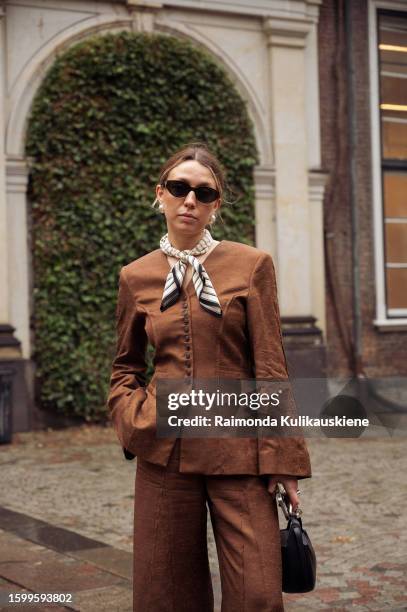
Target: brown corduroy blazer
x,y
244,343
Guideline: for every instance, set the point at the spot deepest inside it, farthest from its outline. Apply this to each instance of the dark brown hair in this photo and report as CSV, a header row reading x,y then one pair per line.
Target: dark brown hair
x,y
199,152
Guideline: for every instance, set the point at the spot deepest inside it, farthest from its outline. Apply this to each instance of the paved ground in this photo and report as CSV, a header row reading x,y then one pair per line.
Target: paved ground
x,y
66,522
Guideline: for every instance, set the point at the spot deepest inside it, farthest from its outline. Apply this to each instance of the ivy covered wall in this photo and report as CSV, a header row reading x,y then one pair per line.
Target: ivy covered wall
x,y
109,113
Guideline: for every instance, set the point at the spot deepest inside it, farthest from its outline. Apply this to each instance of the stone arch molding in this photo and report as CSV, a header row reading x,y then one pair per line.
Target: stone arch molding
x,y
30,79
21,98
239,79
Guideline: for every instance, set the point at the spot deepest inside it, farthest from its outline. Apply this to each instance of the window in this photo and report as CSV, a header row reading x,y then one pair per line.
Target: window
x,y
392,82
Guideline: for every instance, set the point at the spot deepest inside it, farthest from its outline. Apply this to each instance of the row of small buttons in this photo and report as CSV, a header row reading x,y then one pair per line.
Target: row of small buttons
x,y
187,337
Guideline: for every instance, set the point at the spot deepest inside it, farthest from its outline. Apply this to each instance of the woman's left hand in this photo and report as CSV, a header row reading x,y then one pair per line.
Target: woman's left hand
x,y
290,484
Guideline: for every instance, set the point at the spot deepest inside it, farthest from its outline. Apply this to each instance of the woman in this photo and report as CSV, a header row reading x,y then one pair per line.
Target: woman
x,y
210,310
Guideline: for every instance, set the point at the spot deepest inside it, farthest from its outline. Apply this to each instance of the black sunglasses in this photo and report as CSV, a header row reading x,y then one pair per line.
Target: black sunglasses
x,y
180,189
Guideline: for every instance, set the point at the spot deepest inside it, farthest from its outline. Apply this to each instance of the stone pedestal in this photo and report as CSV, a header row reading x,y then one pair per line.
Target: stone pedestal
x,y
304,347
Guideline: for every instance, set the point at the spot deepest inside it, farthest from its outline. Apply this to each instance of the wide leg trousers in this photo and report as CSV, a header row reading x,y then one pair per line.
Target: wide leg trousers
x,y
171,567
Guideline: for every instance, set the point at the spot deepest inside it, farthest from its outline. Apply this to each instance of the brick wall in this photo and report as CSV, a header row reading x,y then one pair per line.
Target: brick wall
x,y
383,353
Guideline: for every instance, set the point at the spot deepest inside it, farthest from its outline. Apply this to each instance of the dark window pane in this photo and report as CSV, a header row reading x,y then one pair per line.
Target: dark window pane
x,y
394,135
395,194
396,287
393,85
396,242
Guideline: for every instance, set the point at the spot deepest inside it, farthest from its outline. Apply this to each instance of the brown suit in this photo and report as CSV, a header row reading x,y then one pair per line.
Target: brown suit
x,y
178,479
244,343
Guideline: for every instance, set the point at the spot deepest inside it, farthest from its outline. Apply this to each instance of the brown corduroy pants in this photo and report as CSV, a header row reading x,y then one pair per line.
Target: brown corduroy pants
x,y
171,568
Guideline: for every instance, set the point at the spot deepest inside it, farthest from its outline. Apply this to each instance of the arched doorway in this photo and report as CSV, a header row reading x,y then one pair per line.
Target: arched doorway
x,y
108,113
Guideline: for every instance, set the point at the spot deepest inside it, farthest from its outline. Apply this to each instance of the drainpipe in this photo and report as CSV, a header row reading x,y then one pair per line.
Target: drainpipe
x,y
355,220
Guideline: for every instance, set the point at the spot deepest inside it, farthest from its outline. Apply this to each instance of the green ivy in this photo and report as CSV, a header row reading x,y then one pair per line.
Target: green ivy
x,y
110,111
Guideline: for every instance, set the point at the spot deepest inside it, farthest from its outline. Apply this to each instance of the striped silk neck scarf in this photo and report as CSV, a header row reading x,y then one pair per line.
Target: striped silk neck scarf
x,y
204,289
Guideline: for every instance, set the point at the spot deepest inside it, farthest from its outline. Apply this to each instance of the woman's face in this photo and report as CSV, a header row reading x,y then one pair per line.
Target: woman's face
x,y
186,215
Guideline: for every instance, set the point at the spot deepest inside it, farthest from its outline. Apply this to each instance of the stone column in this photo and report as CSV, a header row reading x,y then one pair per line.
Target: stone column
x,y
19,256
265,209
296,223
286,40
4,305
9,345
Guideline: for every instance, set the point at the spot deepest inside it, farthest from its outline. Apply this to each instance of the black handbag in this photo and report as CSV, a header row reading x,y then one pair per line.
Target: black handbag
x,y
297,553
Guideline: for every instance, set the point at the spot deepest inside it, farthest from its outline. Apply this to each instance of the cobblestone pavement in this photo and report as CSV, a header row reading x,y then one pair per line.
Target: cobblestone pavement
x,y
66,521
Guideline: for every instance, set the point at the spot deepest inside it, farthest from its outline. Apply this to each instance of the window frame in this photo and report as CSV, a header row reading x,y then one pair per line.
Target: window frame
x,y
383,322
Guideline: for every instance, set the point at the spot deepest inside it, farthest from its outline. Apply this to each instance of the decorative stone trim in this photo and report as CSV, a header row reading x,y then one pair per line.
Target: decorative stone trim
x,y
17,171
143,14
287,32
143,4
264,180
317,180
301,330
